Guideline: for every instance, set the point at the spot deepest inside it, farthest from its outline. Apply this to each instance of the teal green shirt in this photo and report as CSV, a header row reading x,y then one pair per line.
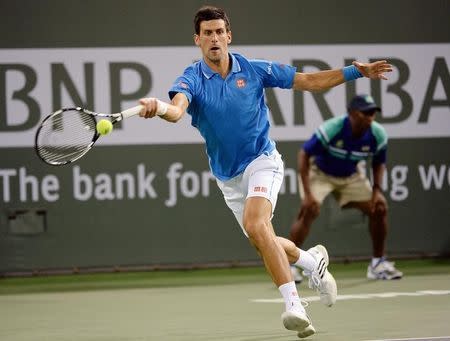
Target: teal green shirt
x,y
337,152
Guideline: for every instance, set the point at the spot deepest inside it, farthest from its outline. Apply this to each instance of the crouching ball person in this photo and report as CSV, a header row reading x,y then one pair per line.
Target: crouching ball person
x,y
329,163
224,95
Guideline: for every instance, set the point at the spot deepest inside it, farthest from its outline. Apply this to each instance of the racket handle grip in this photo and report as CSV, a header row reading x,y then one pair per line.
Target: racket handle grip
x,y
132,111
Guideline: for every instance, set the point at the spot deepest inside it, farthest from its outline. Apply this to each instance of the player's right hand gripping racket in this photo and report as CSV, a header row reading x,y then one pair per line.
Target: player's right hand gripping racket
x,y
69,133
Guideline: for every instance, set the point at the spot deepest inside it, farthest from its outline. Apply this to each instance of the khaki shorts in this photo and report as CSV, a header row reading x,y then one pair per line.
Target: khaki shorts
x,y
262,178
355,188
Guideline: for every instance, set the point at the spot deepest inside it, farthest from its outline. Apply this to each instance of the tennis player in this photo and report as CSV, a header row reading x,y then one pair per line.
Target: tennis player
x,y
224,95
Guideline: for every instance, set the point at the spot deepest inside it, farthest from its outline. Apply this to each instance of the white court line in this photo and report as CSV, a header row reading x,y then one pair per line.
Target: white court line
x,y
426,338
361,296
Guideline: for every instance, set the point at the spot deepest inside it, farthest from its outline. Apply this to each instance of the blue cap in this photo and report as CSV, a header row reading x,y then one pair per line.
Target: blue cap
x,y
363,103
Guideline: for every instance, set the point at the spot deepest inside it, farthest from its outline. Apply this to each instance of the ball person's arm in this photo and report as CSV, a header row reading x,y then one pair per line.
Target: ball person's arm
x,y
172,112
303,165
379,203
309,202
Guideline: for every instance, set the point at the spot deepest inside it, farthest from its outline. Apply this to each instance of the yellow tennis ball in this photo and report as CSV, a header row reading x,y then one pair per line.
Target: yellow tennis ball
x,y
104,127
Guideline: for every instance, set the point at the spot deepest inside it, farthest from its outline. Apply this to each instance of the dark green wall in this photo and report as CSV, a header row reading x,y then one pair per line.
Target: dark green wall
x,y
202,230
93,23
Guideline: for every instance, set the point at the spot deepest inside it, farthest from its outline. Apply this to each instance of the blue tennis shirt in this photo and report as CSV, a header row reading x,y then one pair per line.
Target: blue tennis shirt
x,y
337,152
231,113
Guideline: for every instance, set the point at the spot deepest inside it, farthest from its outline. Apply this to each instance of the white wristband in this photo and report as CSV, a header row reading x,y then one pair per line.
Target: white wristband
x,y
161,108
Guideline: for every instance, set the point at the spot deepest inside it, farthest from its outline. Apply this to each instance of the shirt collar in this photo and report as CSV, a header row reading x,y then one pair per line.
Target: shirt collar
x,y
208,73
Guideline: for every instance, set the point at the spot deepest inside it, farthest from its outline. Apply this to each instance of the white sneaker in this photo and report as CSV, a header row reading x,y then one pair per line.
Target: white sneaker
x,y
296,275
320,278
383,270
299,321
308,331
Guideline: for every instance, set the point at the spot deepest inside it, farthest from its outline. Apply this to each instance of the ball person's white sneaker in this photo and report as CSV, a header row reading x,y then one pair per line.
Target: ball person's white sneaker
x,y
299,321
383,270
320,278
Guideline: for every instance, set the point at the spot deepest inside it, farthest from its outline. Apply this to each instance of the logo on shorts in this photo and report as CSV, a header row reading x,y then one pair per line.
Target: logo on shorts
x,y
365,148
260,189
240,83
340,143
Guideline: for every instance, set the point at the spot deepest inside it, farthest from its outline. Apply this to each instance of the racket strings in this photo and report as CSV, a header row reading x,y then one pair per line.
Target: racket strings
x,y
66,136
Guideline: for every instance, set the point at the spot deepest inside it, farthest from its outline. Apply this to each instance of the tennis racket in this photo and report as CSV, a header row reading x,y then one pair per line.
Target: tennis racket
x,y
69,133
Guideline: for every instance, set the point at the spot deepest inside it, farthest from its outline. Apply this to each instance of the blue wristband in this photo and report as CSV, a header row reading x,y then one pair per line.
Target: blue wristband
x,y
351,73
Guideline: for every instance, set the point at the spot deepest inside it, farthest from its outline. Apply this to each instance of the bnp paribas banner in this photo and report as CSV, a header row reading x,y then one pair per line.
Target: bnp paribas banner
x,y
151,172
35,82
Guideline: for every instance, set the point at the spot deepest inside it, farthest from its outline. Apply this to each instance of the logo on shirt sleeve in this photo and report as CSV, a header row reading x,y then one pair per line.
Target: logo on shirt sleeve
x,y
183,85
269,68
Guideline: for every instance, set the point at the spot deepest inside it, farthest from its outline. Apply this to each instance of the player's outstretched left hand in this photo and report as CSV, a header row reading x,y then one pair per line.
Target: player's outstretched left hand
x,y
374,70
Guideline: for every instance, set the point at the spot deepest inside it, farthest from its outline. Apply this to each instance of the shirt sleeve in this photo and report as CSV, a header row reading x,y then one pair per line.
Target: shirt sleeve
x,y
381,143
274,74
314,146
184,84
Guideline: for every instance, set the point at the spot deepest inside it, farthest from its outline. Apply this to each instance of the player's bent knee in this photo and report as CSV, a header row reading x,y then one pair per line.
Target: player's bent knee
x,y
257,232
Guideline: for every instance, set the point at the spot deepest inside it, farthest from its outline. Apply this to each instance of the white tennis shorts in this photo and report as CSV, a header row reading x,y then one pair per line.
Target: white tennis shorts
x,y
262,178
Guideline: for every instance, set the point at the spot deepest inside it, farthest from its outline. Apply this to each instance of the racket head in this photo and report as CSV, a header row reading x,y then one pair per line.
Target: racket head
x,y
66,135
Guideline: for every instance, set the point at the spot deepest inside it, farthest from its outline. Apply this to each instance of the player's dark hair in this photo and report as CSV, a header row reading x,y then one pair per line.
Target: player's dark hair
x,y
206,13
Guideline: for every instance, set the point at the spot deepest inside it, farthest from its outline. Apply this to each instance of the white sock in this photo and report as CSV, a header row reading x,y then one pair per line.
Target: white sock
x,y
306,261
290,295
